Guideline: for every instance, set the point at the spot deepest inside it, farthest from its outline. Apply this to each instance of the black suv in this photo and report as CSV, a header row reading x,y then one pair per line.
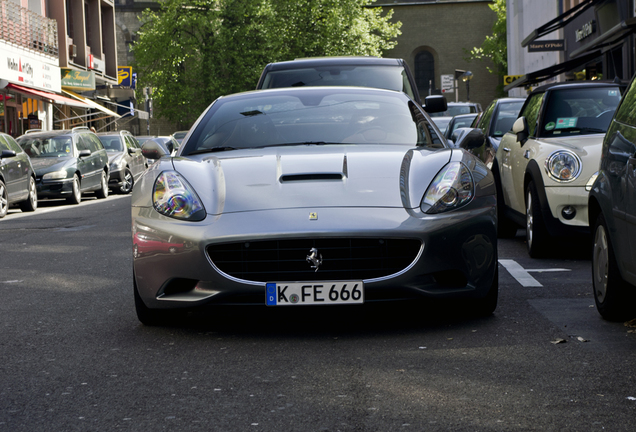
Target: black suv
x,y
384,73
125,159
17,178
612,215
67,163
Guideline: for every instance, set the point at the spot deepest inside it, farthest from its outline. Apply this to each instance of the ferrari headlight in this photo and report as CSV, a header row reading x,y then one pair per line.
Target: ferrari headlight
x,y
452,188
55,175
173,196
117,164
563,166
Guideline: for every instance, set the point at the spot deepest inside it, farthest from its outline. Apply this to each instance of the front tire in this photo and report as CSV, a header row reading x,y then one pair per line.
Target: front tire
x,y
536,232
4,200
31,203
127,183
613,296
102,192
76,195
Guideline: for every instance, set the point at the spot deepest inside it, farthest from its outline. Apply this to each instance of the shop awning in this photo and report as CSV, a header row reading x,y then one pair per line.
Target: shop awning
x,y
91,103
52,97
558,22
549,72
608,39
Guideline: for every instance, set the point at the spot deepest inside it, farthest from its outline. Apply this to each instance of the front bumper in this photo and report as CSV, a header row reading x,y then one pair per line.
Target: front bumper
x,y
569,198
458,256
116,178
54,188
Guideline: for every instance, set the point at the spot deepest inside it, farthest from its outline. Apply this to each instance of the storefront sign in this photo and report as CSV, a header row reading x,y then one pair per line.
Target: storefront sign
x,y
124,76
23,68
78,79
586,30
547,45
508,79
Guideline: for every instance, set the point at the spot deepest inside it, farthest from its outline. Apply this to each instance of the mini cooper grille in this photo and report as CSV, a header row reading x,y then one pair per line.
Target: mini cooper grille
x,y
286,260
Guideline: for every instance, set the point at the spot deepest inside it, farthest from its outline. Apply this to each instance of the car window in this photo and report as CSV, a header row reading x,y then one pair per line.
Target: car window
x,y
132,142
319,118
485,117
506,116
46,146
627,111
94,144
13,145
376,76
579,111
112,143
531,111
3,144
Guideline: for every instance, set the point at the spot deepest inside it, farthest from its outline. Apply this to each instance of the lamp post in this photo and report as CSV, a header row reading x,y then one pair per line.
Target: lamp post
x,y
466,77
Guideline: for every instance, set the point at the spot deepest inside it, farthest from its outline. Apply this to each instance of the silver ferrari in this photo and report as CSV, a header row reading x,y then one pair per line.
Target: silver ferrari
x,y
313,196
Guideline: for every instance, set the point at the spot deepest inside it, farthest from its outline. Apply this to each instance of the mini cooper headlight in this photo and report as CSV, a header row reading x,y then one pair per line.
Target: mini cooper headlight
x,y
563,166
173,196
55,175
452,188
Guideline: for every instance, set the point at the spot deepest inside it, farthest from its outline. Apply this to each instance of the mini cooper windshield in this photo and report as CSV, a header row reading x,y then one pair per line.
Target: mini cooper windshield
x,y
40,147
579,111
315,118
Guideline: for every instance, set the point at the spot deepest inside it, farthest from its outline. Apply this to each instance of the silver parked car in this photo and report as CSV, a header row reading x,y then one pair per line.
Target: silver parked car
x,y
313,196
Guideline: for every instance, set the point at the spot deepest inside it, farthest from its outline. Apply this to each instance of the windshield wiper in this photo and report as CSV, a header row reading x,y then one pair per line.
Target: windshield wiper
x,y
211,150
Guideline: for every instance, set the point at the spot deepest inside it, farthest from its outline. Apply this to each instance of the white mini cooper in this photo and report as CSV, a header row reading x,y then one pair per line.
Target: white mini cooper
x,y
546,165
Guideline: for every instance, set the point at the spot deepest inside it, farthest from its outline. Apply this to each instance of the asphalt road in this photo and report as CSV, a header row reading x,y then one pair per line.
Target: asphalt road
x,y
73,356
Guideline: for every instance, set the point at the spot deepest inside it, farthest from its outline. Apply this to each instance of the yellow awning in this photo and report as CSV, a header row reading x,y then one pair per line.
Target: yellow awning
x,y
91,103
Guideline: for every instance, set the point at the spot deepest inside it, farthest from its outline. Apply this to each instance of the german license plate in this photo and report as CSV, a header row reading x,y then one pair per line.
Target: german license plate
x,y
313,293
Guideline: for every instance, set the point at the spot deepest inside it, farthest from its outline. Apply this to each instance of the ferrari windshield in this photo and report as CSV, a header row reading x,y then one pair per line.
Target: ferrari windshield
x,y
311,117
38,146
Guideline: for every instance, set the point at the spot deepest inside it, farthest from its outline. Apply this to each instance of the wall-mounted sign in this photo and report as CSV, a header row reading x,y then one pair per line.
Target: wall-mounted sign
x,y
508,79
586,30
78,80
124,76
21,67
547,45
448,83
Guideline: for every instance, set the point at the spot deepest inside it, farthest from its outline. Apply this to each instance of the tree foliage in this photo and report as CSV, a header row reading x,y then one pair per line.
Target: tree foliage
x,y
495,46
193,51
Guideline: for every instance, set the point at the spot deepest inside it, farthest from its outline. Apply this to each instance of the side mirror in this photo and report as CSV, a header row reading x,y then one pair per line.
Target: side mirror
x,y
84,153
7,154
435,103
520,127
153,150
471,138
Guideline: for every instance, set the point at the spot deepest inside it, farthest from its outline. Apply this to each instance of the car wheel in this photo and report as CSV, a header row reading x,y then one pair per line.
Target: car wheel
x,y
102,192
611,293
147,316
127,183
536,233
76,195
31,203
4,200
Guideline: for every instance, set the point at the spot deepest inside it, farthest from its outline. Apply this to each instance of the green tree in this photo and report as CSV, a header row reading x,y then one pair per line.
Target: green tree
x,y
495,46
193,51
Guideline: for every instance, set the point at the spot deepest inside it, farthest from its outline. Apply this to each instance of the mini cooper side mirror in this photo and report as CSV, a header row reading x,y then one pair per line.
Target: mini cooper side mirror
x,y
153,150
520,128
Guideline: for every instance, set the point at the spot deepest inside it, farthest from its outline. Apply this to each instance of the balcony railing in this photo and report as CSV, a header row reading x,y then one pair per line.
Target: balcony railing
x,y
28,29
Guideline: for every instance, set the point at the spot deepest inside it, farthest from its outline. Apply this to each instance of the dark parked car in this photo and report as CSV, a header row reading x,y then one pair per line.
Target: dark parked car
x,y
17,177
459,121
125,160
612,216
313,195
498,119
167,143
67,163
384,73
457,108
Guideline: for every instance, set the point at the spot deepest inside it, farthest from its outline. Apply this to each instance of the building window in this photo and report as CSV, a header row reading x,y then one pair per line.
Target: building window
x,y
425,73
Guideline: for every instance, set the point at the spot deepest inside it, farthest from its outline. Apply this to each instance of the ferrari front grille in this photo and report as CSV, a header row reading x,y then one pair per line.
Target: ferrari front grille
x,y
314,259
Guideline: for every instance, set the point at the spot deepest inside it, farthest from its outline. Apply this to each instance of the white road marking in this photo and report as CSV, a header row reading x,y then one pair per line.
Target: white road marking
x,y
17,214
523,275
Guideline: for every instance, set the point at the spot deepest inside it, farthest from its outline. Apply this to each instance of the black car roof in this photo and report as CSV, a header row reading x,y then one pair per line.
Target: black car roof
x,y
576,84
332,61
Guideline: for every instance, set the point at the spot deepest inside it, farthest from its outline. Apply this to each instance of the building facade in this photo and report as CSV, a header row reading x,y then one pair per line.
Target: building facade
x,y
436,39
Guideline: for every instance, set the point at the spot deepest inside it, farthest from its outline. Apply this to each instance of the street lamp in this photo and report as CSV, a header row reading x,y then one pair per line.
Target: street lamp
x,y
466,77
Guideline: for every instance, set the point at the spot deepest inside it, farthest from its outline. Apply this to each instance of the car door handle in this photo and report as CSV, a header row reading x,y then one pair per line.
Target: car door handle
x,y
506,149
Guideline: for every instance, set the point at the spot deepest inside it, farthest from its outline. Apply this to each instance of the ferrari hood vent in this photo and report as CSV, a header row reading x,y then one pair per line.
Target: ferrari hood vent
x,y
311,177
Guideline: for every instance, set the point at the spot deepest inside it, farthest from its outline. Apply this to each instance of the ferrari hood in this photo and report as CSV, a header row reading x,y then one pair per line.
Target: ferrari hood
x,y
310,177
